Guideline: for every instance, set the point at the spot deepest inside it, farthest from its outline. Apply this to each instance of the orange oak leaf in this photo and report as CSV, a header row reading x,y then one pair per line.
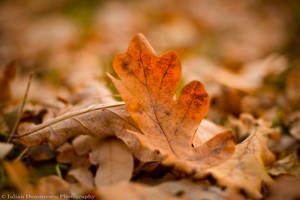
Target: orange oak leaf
x,y
147,85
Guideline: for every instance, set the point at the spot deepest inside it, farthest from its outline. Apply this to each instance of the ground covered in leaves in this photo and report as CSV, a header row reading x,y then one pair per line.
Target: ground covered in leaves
x,y
149,99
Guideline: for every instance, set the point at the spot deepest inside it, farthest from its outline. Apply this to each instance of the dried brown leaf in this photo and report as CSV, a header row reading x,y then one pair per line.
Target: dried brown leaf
x,y
192,191
246,124
94,120
100,122
248,79
40,153
293,122
246,168
67,154
288,165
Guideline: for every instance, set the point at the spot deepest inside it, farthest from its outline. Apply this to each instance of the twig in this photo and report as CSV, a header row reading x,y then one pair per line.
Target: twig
x,y
22,153
20,111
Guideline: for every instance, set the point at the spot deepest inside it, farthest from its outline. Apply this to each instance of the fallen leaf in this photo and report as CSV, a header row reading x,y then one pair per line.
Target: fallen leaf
x,y
132,191
41,92
95,120
293,122
7,76
147,86
37,113
5,149
40,153
288,165
207,131
93,92
191,191
248,79
210,71
286,188
195,168
115,163
83,144
295,130
256,71
18,174
67,154
246,168
162,128
83,176
293,86
246,124
52,186
285,142
70,46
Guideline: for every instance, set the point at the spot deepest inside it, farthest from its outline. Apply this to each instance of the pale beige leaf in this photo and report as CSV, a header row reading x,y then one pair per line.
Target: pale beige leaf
x,y
66,154
206,131
5,149
95,156
115,163
83,176
82,144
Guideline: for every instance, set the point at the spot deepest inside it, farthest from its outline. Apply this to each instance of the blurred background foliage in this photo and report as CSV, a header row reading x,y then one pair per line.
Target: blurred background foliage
x,y
250,48
231,32
67,42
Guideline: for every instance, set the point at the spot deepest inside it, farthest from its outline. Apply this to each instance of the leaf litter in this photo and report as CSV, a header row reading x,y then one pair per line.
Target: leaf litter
x,y
151,130
157,143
